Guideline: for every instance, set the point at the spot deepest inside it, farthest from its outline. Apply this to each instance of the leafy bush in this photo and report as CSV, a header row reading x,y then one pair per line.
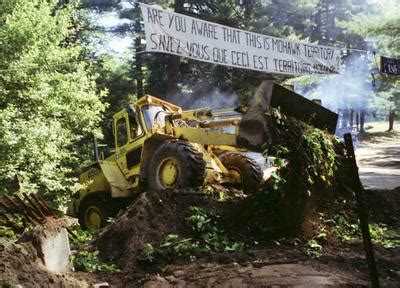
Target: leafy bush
x,y
148,254
307,161
304,155
49,100
13,227
313,248
205,226
384,235
82,236
380,233
7,232
88,261
207,236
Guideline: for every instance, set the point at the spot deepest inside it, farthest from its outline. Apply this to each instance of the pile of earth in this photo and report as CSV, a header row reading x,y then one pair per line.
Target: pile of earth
x,y
154,215
384,205
148,220
21,262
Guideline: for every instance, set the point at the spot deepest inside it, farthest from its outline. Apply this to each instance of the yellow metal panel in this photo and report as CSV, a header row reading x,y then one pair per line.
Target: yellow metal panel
x,y
94,180
148,99
118,183
203,136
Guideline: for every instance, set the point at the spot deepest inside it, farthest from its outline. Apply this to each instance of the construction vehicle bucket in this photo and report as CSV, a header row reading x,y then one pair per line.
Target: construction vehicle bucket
x,y
255,129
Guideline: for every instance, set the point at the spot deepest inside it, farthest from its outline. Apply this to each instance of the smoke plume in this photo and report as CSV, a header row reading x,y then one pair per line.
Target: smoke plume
x,y
350,90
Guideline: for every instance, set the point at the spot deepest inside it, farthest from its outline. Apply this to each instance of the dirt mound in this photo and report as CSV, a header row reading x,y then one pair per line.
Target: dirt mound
x,y
25,263
148,220
384,205
20,264
156,214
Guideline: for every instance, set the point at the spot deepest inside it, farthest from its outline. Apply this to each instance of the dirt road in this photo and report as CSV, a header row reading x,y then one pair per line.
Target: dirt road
x,y
378,157
283,275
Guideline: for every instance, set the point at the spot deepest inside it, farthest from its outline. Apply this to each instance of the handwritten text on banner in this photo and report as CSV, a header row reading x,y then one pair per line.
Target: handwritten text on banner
x,y
193,38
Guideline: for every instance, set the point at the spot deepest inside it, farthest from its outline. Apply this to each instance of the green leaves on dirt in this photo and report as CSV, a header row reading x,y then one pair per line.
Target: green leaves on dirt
x,y
347,230
82,236
344,229
207,237
305,155
88,261
307,161
7,232
313,248
148,254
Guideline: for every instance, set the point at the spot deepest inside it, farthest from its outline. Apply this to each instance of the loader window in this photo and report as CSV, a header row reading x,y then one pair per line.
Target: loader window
x,y
122,137
134,128
154,114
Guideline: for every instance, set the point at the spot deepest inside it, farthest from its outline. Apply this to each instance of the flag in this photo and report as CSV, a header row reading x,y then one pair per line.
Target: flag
x,y
390,65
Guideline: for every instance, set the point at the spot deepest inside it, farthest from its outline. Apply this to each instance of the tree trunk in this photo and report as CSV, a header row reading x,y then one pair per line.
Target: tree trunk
x,y
138,55
391,119
362,121
173,67
351,119
358,120
138,66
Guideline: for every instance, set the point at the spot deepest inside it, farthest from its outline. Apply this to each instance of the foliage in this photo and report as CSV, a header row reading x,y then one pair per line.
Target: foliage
x,y
207,236
176,245
82,236
205,226
13,226
384,235
49,101
380,233
304,157
88,261
277,181
342,228
7,232
147,255
217,193
307,161
313,248
114,76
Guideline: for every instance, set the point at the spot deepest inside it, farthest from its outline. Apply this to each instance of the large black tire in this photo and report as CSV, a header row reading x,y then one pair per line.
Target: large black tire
x,y
93,212
185,162
249,172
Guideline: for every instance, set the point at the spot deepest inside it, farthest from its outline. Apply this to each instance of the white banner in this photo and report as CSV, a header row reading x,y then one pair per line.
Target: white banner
x,y
185,36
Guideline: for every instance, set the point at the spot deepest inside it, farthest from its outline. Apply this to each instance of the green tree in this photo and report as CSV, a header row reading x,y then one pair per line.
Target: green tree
x,y
115,77
49,102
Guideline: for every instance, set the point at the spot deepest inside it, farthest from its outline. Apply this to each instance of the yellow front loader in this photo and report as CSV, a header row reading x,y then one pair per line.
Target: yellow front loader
x,y
158,146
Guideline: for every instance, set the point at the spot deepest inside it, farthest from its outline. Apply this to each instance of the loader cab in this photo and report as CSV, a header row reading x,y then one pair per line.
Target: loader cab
x,y
129,138
126,127
154,116
154,111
